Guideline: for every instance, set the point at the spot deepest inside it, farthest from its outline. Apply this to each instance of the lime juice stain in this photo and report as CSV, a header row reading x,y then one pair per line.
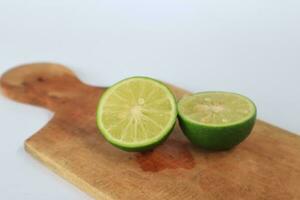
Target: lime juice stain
x,y
172,154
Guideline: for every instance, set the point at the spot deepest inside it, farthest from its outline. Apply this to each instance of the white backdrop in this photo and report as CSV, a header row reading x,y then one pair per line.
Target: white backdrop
x,y
249,47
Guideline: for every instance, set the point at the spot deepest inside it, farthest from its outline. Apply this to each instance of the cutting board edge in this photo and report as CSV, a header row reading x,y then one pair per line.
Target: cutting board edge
x,y
278,127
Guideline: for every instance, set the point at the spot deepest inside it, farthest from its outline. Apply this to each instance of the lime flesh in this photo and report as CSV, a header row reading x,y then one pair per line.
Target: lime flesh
x,y
216,120
136,114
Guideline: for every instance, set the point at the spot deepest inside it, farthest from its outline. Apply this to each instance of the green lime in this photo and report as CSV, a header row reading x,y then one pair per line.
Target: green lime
x,y
137,113
216,120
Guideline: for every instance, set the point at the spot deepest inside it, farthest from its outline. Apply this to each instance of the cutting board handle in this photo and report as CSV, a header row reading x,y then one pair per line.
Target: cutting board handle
x,y
48,85
52,86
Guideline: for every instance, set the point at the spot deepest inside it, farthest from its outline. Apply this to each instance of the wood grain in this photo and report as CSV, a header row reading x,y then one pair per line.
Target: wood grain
x,y
265,166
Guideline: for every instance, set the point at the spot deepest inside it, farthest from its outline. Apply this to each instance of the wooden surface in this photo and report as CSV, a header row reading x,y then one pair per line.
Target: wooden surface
x,y
265,166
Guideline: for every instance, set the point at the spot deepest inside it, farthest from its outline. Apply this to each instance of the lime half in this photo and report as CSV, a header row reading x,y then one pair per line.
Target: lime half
x,y
137,113
216,120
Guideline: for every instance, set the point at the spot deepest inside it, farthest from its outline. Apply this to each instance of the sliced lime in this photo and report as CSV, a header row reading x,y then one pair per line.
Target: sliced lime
x,y
137,113
216,120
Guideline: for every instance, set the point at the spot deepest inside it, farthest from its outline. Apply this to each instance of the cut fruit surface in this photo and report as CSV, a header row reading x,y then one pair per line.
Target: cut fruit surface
x,y
216,108
137,113
216,120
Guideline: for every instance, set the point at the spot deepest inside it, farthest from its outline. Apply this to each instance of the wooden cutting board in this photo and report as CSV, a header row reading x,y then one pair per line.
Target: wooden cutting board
x,y
265,166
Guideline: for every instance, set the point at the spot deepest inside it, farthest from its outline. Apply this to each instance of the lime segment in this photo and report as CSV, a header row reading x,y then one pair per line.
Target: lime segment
x,y
137,113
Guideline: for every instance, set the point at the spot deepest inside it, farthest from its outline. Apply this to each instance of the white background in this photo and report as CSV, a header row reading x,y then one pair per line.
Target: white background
x,y
250,47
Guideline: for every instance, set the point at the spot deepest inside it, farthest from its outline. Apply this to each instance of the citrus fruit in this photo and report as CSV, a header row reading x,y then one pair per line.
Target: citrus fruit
x,y
137,113
216,120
